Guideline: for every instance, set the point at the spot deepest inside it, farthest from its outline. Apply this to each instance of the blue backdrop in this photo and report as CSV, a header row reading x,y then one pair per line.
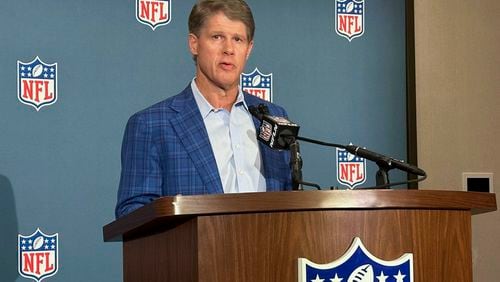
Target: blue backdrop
x,y
59,166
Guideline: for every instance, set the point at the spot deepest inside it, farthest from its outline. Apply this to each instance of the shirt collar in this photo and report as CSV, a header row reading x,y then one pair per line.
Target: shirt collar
x,y
206,108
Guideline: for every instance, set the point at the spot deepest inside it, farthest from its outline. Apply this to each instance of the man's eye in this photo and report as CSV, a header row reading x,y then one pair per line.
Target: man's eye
x,y
216,36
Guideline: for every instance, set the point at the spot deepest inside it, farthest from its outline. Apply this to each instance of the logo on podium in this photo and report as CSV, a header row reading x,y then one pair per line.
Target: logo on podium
x,y
38,255
258,84
358,265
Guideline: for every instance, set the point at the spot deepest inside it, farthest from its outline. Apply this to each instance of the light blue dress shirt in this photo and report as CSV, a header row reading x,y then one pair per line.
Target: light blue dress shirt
x,y
234,143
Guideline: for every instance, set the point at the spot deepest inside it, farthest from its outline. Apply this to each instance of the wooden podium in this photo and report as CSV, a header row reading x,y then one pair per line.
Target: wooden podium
x,y
258,237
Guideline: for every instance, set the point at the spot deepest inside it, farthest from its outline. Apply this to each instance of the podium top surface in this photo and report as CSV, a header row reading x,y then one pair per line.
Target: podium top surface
x,y
177,207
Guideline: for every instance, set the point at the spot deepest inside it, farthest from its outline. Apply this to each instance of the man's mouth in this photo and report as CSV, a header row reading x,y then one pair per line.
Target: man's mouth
x,y
227,66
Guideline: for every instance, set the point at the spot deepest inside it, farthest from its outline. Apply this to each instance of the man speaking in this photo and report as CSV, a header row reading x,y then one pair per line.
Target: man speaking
x,y
203,140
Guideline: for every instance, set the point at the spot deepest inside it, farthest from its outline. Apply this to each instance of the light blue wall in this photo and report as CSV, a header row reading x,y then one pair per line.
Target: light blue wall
x,y
59,167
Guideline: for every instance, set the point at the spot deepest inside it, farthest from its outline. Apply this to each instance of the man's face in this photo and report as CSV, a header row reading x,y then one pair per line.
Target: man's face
x,y
222,49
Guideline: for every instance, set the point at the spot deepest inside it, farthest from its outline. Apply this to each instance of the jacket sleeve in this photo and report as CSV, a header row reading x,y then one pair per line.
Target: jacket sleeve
x,y
141,177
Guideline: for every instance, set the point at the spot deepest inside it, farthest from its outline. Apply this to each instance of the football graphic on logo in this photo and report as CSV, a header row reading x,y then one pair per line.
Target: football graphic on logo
x,y
256,80
37,70
350,157
37,243
349,7
363,273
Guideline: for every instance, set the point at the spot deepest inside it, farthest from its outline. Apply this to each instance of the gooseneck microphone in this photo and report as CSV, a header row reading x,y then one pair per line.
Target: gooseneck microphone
x,y
279,133
384,161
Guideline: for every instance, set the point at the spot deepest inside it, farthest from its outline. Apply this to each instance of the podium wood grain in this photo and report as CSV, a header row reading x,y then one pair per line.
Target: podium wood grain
x,y
259,237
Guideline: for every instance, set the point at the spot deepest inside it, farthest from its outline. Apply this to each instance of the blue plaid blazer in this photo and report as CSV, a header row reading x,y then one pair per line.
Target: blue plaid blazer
x,y
166,152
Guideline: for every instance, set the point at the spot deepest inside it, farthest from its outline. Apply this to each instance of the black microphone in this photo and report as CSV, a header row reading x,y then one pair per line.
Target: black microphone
x,y
280,133
275,132
384,161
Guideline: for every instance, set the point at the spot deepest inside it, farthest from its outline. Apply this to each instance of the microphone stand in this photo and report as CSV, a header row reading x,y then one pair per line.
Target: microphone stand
x,y
296,166
382,175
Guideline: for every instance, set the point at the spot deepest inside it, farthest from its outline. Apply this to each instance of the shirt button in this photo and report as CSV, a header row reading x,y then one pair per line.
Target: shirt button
x,y
240,171
237,146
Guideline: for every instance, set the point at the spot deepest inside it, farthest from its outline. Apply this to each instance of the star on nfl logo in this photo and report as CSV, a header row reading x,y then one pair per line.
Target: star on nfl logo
x,y
37,83
153,12
358,265
350,18
258,84
351,169
37,255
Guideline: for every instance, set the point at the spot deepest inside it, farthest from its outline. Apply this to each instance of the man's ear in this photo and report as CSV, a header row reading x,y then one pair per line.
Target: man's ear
x,y
249,51
193,44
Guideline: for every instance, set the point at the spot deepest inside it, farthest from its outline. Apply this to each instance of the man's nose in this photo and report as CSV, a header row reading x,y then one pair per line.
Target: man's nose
x,y
228,47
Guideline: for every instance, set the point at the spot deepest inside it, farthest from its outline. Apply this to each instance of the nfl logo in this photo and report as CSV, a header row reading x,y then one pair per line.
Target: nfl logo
x,y
153,12
266,131
37,83
358,265
37,255
258,84
351,169
349,18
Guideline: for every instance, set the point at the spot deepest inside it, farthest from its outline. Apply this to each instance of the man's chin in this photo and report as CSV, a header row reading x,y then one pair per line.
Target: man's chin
x,y
228,87
228,84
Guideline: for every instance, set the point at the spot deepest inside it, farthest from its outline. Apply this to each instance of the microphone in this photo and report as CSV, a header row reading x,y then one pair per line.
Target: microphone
x,y
280,133
384,161
275,132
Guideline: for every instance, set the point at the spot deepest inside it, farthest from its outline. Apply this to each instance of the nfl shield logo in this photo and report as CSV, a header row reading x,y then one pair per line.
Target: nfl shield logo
x,y
351,169
37,83
349,18
358,265
258,84
37,255
153,12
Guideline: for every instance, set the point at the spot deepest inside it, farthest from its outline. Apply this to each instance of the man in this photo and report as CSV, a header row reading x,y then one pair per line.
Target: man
x,y
203,140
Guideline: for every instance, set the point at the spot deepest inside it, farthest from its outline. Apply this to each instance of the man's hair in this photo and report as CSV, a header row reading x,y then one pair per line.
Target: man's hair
x,y
236,10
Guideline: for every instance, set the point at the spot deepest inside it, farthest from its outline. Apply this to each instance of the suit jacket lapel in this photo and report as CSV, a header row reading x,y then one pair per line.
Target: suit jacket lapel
x,y
189,126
